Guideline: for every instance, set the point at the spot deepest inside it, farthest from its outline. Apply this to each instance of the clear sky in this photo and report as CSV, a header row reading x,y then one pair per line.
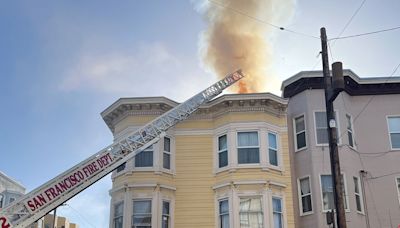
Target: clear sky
x,y
63,62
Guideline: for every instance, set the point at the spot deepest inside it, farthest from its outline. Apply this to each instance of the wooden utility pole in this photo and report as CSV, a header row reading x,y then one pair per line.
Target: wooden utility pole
x,y
332,89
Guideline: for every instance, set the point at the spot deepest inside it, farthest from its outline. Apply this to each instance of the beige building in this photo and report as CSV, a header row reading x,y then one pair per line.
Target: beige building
x,y
226,166
47,222
368,120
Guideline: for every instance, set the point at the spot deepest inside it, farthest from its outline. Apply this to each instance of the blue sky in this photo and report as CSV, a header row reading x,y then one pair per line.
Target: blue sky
x,y
63,62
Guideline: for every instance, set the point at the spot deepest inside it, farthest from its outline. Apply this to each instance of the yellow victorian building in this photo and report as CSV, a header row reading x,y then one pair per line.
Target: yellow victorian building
x,y
227,166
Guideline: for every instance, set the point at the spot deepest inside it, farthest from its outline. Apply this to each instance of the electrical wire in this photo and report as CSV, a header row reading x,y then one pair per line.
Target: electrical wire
x,y
351,18
261,21
80,215
366,34
384,175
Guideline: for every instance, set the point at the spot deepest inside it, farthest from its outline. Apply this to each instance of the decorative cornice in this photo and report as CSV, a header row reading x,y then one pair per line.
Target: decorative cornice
x,y
255,102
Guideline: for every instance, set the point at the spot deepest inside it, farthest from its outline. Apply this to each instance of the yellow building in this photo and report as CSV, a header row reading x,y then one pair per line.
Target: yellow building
x,y
47,222
226,166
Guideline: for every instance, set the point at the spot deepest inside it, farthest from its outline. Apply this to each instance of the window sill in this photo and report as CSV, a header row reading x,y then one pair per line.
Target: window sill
x,y
361,213
307,213
275,168
301,149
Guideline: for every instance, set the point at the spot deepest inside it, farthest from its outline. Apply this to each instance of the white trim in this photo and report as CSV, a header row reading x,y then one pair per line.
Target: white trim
x,y
250,182
283,210
390,138
300,196
397,187
217,186
346,196
295,132
360,195
354,147
278,184
327,128
278,150
252,147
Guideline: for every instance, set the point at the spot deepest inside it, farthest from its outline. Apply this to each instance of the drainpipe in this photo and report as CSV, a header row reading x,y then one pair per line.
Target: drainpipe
x,y
363,173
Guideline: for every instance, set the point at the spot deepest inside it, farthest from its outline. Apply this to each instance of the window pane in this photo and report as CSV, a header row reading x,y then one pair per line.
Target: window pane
x,y
223,206
301,140
118,222
165,214
277,204
350,136
165,207
394,124
248,155
222,143
223,159
167,144
224,221
306,203
299,122
272,141
247,139
224,213
320,120
251,215
349,127
273,157
356,190
166,161
327,192
305,186
144,159
119,209
277,220
121,167
142,207
395,138
322,136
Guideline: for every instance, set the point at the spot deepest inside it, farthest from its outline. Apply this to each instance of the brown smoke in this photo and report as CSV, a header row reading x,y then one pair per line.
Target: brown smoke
x,y
234,40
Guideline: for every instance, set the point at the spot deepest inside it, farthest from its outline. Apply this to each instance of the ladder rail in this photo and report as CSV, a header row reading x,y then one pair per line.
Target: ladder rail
x,y
34,205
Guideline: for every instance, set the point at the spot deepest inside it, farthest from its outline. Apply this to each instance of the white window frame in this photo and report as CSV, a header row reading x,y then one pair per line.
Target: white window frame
x,y
346,195
145,168
277,149
166,152
389,132
220,151
261,197
397,187
151,209
219,212
359,194
301,196
123,208
282,212
337,128
162,212
258,146
296,133
350,118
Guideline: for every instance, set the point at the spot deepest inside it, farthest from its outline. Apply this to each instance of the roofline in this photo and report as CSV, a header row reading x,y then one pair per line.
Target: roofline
x,y
137,100
12,180
346,72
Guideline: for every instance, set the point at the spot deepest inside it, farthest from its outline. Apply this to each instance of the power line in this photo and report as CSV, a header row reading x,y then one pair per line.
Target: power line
x,y
80,215
365,34
261,21
351,18
384,175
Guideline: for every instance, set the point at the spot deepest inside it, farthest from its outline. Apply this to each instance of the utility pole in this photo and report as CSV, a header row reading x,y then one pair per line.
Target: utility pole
x,y
332,90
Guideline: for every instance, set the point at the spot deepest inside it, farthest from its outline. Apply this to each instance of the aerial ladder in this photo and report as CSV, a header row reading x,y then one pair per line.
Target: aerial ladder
x,y
40,201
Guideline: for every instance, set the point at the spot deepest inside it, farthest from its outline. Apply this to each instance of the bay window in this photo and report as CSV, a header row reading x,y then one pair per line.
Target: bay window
x,y
141,217
248,147
251,212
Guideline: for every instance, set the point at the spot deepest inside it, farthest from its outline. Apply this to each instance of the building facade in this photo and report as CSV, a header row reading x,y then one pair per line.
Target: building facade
x,y
10,190
47,222
226,166
368,120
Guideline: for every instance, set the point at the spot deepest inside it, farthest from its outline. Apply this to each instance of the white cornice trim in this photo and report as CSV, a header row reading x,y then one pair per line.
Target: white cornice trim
x,y
278,184
250,182
12,180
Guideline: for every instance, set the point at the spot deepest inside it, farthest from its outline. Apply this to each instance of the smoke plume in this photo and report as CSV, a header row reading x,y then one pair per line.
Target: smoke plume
x,y
236,38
